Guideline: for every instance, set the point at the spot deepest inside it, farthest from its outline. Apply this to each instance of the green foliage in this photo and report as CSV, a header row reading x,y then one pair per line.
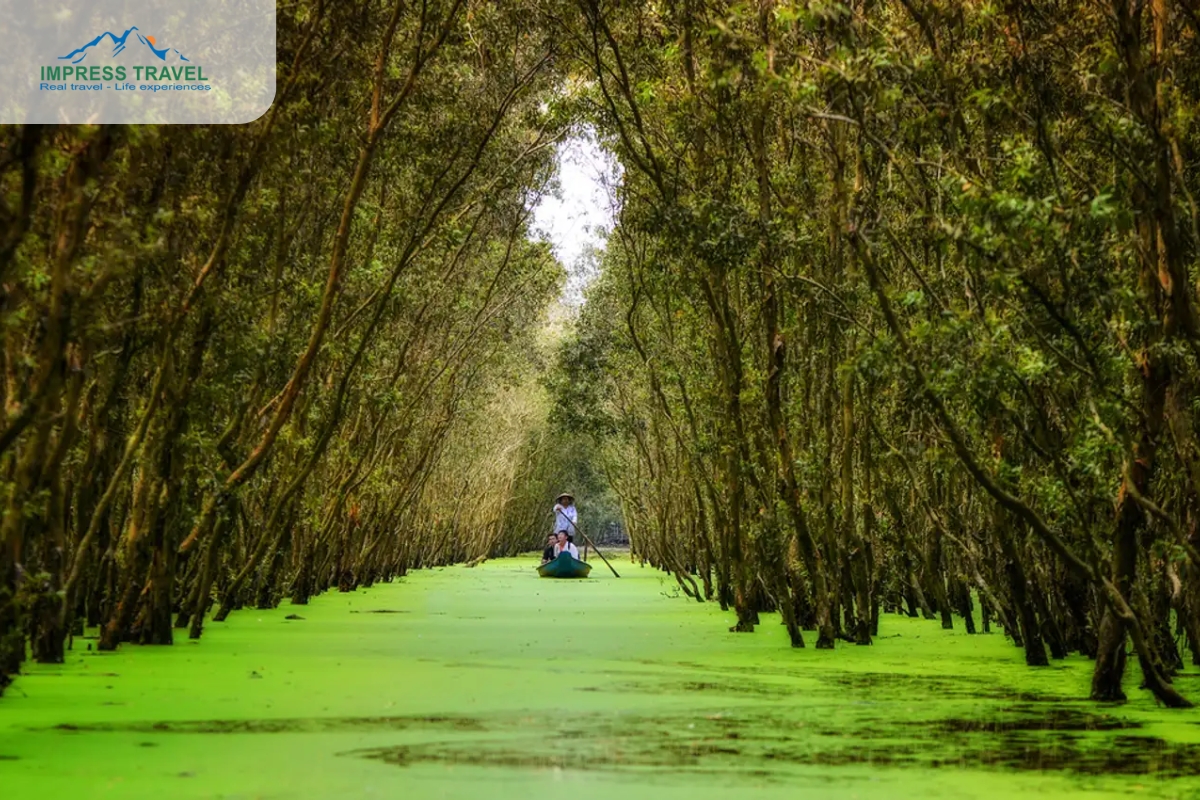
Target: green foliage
x,y
929,270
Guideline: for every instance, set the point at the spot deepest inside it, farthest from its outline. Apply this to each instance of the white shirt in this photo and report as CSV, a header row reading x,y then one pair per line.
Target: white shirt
x,y
567,548
561,515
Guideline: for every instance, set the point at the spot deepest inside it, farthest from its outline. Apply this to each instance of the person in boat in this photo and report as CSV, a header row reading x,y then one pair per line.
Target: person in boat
x,y
548,554
565,515
565,546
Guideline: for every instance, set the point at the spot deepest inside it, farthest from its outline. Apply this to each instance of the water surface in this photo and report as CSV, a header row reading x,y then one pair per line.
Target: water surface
x,y
463,683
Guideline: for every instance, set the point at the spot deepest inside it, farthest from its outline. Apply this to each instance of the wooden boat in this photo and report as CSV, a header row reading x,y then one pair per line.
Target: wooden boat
x,y
565,567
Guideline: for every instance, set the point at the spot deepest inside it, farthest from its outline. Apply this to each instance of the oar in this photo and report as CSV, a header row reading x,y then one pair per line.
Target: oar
x,y
593,544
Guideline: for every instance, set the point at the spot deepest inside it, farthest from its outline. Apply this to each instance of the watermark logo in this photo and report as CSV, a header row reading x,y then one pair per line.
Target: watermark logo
x,y
201,61
119,46
174,72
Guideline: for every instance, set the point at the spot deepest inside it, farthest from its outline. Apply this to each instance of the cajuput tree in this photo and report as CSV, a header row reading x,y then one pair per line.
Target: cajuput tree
x,y
899,314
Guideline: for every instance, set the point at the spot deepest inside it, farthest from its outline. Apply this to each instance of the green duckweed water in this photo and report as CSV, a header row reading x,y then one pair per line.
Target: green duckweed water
x,y
465,683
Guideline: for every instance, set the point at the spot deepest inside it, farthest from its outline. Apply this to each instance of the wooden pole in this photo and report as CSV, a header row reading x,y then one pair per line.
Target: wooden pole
x,y
588,541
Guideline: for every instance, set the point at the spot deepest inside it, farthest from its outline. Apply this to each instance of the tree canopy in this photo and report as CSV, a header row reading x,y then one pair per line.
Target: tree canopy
x,y
898,314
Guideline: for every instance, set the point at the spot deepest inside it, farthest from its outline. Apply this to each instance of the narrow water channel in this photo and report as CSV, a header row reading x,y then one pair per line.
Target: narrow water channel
x,y
466,683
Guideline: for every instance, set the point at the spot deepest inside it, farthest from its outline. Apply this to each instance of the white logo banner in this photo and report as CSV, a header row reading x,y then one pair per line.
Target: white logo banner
x,y
136,61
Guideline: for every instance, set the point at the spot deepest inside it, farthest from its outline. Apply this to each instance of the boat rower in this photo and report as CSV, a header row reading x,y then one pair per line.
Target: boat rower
x,y
565,515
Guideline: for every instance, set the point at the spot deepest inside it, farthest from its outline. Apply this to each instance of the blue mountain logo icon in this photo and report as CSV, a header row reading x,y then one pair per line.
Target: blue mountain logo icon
x,y
119,45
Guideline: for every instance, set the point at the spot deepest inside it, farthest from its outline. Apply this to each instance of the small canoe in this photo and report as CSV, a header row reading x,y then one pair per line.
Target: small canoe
x,y
565,567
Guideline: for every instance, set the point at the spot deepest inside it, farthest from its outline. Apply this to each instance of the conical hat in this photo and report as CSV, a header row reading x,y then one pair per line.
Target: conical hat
x,y
567,495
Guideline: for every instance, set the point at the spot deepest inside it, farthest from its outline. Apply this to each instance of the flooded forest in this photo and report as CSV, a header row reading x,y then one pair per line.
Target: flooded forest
x,y
893,339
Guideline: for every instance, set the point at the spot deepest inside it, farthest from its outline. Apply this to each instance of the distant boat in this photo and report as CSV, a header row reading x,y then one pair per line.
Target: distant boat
x,y
565,567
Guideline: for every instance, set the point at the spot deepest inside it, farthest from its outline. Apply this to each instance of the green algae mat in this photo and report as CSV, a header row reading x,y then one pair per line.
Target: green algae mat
x,y
488,682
